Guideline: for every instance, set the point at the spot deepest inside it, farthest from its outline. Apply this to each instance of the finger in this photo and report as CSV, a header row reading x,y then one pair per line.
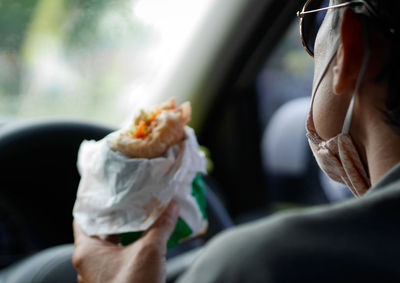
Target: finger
x,y
81,236
165,224
81,239
78,233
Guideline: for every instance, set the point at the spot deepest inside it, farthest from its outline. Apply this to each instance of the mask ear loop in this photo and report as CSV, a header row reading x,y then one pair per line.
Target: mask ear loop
x,y
367,52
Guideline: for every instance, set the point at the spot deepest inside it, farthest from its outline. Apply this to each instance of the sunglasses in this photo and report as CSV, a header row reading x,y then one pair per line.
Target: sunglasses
x,y
313,14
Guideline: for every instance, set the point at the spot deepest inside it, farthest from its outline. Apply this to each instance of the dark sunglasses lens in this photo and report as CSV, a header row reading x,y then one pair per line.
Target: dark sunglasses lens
x,y
312,22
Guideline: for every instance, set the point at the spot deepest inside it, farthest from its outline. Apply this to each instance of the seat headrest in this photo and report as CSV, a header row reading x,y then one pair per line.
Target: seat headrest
x,y
284,144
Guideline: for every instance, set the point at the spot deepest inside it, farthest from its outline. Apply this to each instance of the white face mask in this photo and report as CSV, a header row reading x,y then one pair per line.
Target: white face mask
x,y
338,156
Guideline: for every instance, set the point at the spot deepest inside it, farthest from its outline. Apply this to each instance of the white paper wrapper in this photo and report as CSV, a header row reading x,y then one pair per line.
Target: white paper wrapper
x,y
118,194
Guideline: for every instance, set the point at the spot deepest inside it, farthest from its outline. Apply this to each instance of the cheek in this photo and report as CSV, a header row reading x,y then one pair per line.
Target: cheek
x,y
329,109
322,110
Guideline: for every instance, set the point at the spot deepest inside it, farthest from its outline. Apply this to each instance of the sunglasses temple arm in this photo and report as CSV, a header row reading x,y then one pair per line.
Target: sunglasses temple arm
x,y
302,13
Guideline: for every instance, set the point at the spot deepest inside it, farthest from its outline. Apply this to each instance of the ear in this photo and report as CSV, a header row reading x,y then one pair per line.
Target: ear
x,y
349,55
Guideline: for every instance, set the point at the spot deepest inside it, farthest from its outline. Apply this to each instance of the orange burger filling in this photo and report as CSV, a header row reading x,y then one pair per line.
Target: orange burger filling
x,y
144,124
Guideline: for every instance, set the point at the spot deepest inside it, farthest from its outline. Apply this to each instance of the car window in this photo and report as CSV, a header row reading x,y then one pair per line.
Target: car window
x,y
90,59
287,74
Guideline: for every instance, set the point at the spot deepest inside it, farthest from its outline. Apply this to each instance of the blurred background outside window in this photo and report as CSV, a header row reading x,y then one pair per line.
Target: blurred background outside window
x,y
90,59
288,74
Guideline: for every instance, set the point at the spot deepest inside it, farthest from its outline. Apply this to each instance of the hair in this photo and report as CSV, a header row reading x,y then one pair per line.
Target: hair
x,y
390,72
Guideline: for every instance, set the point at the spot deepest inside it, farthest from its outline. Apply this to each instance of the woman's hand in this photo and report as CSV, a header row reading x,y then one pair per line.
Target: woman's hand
x,y
99,260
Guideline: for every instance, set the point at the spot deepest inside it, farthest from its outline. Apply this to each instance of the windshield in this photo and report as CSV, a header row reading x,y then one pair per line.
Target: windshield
x,y
96,60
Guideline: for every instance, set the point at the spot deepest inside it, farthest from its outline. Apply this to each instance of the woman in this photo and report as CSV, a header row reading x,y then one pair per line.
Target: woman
x,y
353,130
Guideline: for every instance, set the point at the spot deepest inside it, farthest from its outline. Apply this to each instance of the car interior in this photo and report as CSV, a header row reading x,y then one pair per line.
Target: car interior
x,y
248,79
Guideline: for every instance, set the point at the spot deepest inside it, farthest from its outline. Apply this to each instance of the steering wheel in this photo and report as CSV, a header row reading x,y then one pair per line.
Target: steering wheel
x,y
39,182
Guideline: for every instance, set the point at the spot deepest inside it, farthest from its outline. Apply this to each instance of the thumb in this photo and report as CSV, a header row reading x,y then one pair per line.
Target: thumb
x,y
165,224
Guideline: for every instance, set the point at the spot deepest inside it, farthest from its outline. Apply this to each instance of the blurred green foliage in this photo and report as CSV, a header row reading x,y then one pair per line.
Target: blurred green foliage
x,y
15,16
65,57
86,14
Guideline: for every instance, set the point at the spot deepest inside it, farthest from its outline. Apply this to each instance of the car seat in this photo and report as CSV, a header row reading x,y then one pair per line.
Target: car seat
x,y
38,182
